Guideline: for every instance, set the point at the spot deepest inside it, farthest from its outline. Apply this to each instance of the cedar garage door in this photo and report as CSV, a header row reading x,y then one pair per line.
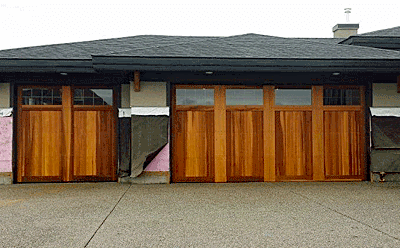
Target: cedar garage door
x,y
268,133
66,134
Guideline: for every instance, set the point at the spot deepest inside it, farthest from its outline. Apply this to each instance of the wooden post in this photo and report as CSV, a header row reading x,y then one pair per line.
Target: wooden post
x,y
269,135
136,81
67,133
318,133
220,134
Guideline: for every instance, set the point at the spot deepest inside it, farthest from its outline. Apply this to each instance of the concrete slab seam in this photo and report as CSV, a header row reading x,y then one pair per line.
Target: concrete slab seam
x,y
112,210
347,216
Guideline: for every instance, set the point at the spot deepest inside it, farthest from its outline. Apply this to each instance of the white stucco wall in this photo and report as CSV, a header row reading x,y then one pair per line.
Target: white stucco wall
x,y
385,95
151,94
4,95
125,96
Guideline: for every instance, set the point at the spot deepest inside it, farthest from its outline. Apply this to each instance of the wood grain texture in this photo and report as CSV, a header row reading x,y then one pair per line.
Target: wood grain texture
x,y
293,144
94,141
269,134
220,133
193,136
39,146
344,144
318,133
244,141
67,133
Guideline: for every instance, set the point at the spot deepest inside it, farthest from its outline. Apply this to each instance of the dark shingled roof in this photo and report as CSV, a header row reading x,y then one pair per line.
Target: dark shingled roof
x,y
239,46
260,47
391,32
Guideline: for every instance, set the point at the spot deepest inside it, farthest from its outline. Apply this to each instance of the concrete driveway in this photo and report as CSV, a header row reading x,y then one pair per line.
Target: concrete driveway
x,y
200,215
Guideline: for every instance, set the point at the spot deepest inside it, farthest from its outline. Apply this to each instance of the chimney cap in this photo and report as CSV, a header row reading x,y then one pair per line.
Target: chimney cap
x,y
345,26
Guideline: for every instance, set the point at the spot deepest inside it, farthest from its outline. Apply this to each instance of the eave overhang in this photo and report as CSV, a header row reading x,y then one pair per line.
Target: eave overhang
x,y
115,64
46,65
107,63
384,42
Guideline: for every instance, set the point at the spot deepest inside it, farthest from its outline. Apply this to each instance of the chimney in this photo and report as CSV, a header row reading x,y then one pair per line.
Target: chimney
x,y
345,30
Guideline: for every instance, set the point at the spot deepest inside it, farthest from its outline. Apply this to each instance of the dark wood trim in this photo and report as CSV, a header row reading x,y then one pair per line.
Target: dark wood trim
x,y
40,179
191,86
136,81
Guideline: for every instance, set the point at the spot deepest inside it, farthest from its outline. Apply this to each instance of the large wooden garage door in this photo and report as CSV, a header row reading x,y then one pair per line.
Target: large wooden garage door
x,y
193,129
66,134
269,133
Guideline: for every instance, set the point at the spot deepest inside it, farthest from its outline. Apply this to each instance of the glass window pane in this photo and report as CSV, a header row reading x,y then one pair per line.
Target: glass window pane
x,y
342,97
244,97
41,96
195,97
292,96
93,97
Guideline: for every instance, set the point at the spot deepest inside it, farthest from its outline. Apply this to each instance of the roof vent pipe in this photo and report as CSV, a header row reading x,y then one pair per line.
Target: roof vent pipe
x,y
345,30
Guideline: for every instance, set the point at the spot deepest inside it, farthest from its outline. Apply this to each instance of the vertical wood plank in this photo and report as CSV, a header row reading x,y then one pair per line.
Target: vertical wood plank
x,y
269,135
318,133
67,133
220,133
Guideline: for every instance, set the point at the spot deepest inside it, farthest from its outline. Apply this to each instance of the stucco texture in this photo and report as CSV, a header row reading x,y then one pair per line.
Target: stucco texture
x,y
5,144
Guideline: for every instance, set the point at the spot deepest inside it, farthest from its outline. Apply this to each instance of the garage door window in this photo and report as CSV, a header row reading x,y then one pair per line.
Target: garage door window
x,y
244,97
341,96
41,96
292,96
195,97
89,96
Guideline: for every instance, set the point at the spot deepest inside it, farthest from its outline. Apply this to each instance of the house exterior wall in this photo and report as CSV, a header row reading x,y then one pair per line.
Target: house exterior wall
x,y
4,95
385,95
6,150
151,94
125,96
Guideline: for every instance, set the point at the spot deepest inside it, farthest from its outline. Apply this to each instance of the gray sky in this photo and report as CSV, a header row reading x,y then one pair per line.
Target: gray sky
x,y
32,23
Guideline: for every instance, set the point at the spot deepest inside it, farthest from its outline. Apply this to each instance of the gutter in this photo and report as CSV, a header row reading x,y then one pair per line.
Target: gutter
x,y
104,63
46,65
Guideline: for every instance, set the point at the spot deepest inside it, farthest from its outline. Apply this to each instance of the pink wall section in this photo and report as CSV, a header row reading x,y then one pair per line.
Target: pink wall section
x,y
5,144
161,161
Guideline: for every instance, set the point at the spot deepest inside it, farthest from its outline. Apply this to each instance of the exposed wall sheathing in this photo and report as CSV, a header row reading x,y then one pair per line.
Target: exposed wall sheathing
x,y
6,144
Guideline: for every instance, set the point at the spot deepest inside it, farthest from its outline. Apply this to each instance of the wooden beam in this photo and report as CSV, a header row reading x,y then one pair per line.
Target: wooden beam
x,y
136,81
269,135
220,134
67,171
318,133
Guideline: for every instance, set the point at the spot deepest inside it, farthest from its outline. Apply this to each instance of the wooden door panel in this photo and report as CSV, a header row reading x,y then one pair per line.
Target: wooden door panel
x,y
343,144
39,146
244,145
293,144
94,142
194,146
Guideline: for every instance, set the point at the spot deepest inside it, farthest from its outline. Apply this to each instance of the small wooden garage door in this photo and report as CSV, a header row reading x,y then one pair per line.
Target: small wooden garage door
x,y
269,133
67,134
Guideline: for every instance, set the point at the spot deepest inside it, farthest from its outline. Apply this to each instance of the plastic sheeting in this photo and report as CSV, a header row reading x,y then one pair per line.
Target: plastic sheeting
x,y
385,132
149,136
385,160
124,146
385,127
5,112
